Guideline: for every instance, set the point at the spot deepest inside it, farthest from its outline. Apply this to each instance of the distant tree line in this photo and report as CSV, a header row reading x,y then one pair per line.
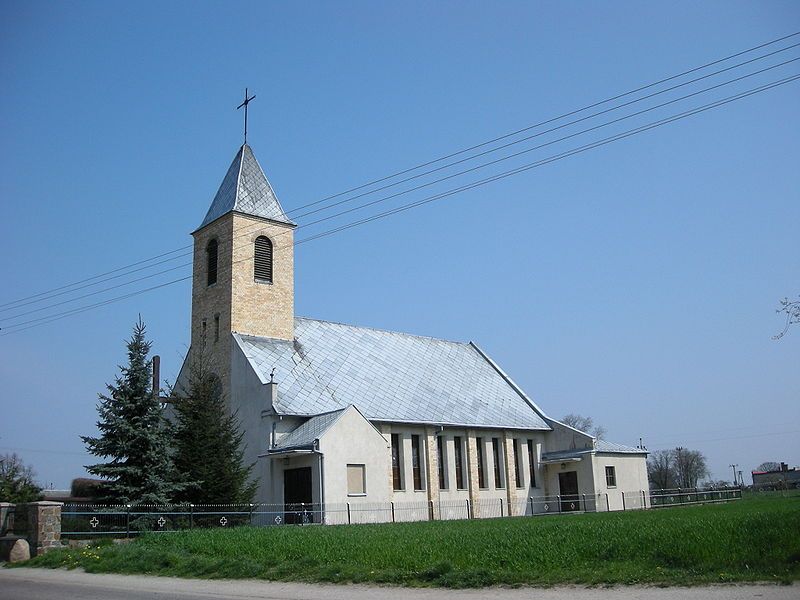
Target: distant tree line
x,y
676,468
148,459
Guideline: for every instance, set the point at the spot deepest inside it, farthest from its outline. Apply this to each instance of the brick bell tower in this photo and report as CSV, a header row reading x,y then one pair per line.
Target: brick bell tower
x,y
243,267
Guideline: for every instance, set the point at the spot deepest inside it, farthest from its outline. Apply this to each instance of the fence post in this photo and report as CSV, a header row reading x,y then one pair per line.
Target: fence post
x,y
584,502
558,500
644,504
251,513
530,501
127,520
348,513
191,516
502,512
469,509
430,510
623,501
392,503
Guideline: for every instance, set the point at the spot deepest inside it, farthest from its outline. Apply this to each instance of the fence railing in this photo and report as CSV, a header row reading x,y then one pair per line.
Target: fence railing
x,y
94,520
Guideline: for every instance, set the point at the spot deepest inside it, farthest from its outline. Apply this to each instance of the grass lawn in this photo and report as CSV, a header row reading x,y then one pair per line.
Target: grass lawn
x,y
748,540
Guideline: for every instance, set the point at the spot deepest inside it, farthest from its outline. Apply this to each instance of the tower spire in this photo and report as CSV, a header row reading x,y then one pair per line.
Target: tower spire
x,y
245,103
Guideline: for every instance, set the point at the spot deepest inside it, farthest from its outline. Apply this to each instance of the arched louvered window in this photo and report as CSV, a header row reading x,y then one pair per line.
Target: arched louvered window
x,y
211,255
262,269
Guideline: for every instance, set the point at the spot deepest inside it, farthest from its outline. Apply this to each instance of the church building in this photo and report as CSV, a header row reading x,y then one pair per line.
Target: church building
x,y
337,414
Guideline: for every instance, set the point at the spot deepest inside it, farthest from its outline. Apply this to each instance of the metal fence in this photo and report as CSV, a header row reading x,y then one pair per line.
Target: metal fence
x,y
678,497
81,521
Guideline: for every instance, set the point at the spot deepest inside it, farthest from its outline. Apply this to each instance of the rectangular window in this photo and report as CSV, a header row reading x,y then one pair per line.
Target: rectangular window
x,y
517,465
442,459
397,463
532,462
459,456
611,477
498,470
416,462
356,480
481,463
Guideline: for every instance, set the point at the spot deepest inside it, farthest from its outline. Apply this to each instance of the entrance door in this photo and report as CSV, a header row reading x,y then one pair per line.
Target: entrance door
x,y
297,496
568,488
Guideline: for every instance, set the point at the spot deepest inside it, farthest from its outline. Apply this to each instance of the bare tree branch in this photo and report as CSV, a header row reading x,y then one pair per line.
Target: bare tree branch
x,y
792,310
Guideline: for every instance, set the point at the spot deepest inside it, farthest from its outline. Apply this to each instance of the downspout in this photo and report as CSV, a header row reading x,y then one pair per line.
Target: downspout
x,y
321,480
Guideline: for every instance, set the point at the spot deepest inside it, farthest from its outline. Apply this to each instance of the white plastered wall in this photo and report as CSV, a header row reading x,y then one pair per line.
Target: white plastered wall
x,y
353,440
631,479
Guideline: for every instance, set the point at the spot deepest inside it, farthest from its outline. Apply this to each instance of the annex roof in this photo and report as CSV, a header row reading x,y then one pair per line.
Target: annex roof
x,y
600,447
308,432
245,189
388,376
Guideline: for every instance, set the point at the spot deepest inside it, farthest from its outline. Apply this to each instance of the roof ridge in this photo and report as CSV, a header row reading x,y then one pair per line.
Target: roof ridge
x,y
380,330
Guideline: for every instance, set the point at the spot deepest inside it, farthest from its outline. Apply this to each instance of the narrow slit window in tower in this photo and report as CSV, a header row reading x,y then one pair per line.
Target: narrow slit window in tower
x,y
262,269
211,255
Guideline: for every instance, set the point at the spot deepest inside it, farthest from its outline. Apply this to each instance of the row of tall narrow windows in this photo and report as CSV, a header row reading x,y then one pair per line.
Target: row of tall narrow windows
x,y
262,260
459,452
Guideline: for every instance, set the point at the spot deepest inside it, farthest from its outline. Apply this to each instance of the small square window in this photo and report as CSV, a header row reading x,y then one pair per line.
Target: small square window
x,y
356,480
611,477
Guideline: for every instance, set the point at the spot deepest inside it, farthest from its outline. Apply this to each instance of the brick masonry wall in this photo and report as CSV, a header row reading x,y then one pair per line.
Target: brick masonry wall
x,y
511,476
243,305
432,464
472,469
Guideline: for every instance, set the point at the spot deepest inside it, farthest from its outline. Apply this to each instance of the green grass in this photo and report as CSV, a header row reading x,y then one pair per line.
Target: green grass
x,y
750,540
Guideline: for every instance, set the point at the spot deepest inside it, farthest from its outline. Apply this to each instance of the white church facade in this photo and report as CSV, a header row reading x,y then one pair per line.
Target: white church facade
x,y
341,415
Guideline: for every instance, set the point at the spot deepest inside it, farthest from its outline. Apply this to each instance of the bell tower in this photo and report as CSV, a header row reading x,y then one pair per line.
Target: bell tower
x,y
243,266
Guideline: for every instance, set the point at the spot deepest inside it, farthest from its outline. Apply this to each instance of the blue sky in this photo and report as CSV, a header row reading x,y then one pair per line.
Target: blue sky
x,y
635,283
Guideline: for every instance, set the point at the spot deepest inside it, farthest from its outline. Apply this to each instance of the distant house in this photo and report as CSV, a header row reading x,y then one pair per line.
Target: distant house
x,y
336,413
782,478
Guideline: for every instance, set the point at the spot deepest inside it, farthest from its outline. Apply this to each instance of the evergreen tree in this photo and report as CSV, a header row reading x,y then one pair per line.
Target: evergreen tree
x,y
209,452
134,434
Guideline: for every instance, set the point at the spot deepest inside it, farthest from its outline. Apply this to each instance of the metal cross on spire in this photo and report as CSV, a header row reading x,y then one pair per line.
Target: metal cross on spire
x,y
245,103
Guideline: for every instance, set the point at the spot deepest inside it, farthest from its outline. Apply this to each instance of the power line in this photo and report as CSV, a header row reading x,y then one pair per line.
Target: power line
x,y
553,158
380,200
565,125
408,170
661,446
553,119
245,231
50,318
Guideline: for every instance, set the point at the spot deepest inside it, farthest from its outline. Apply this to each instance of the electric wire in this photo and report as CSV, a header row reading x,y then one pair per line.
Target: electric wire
x,y
406,191
411,169
392,196
50,318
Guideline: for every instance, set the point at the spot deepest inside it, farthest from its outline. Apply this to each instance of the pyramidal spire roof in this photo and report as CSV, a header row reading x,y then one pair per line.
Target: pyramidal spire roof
x,y
245,189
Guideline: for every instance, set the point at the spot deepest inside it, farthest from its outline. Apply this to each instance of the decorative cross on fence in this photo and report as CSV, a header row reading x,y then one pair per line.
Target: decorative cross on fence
x,y
94,522
161,521
223,521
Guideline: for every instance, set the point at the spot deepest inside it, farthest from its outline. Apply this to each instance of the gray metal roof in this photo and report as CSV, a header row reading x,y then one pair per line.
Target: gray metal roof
x,y
388,376
245,189
611,447
310,431
601,446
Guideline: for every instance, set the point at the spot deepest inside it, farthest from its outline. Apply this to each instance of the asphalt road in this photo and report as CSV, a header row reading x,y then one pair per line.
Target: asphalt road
x,y
45,584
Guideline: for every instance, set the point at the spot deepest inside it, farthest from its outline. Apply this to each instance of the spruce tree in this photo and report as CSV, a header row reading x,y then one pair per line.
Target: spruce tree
x,y
209,451
134,434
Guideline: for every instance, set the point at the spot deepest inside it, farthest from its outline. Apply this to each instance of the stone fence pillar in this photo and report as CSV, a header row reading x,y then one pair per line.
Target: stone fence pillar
x,y
40,523
6,518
